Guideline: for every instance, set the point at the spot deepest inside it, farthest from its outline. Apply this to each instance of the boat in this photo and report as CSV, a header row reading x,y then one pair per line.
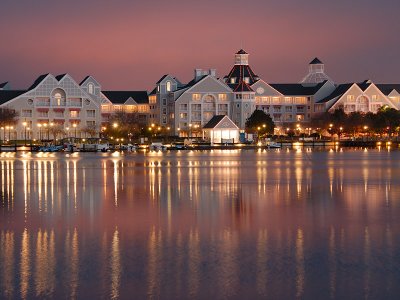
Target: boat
x,y
273,145
51,148
157,147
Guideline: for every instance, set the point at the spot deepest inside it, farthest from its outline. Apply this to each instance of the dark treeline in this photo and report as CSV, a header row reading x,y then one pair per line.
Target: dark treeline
x,y
385,121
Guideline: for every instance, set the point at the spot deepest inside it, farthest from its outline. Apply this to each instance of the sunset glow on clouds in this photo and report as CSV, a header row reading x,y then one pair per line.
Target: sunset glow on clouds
x,y
131,44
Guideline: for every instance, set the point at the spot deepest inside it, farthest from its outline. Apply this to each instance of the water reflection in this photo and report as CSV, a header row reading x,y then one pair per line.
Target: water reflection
x,y
25,264
115,266
45,264
8,264
220,224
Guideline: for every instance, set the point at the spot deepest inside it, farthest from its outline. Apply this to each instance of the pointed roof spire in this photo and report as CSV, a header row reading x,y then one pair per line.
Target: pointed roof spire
x,y
316,61
241,51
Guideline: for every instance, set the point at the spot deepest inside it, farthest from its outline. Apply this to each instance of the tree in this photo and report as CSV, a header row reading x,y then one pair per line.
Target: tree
x,y
90,130
8,116
260,122
123,125
387,120
56,131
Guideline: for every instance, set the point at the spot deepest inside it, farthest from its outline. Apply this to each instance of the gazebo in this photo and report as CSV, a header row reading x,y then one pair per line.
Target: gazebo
x,y
221,129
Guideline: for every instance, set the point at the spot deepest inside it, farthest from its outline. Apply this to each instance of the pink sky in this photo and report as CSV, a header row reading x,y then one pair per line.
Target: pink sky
x,y
130,44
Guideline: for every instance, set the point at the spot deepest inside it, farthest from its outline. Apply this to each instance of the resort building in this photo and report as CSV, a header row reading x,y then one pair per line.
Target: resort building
x,y
188,107
77,109
59,105
362,97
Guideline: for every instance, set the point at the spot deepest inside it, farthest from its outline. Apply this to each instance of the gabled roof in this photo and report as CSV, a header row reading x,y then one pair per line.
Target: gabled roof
x,y
38,81
217,119
316,61
2,85
296,89
214,121
388,88
61,76
241,51
161,79
153,92
338,92
84,79
7,95
192,82
120,97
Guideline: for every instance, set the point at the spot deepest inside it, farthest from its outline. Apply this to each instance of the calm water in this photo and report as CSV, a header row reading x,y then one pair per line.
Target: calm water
x,y
208,225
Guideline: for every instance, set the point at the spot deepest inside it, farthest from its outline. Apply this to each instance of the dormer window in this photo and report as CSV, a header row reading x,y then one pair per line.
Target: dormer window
x,y
90,88
247,79
233,80
168,86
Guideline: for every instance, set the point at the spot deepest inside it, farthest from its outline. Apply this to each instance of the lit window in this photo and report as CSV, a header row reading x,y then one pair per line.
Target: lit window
x,y
91,88
247,79
73,114
196,97
222,96
57,98
168,86
233,80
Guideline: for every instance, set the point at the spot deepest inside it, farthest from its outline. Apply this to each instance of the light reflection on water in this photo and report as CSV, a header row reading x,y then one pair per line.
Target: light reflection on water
x,y
219,224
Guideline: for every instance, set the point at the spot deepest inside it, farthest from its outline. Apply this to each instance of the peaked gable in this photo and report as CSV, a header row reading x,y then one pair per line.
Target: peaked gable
x,y
209,84
220,122
264,89
88,79
130,101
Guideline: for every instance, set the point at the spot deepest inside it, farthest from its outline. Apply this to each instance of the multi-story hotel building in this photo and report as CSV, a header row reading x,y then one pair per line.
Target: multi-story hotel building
x,y
187,107
59,101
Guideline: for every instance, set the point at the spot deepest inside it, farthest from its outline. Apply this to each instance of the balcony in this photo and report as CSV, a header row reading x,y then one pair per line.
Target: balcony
x,y
42,103
74,103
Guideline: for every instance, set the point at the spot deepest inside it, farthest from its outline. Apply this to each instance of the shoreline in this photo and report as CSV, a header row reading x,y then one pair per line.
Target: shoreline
x,y
281,144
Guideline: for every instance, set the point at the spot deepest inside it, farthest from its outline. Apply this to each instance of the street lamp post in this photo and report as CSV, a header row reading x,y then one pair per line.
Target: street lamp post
x,y
25,124
366,132
6,128
167,133
190,130
74,125
40,131
330,130
29,134
51,125
9,132
45,126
